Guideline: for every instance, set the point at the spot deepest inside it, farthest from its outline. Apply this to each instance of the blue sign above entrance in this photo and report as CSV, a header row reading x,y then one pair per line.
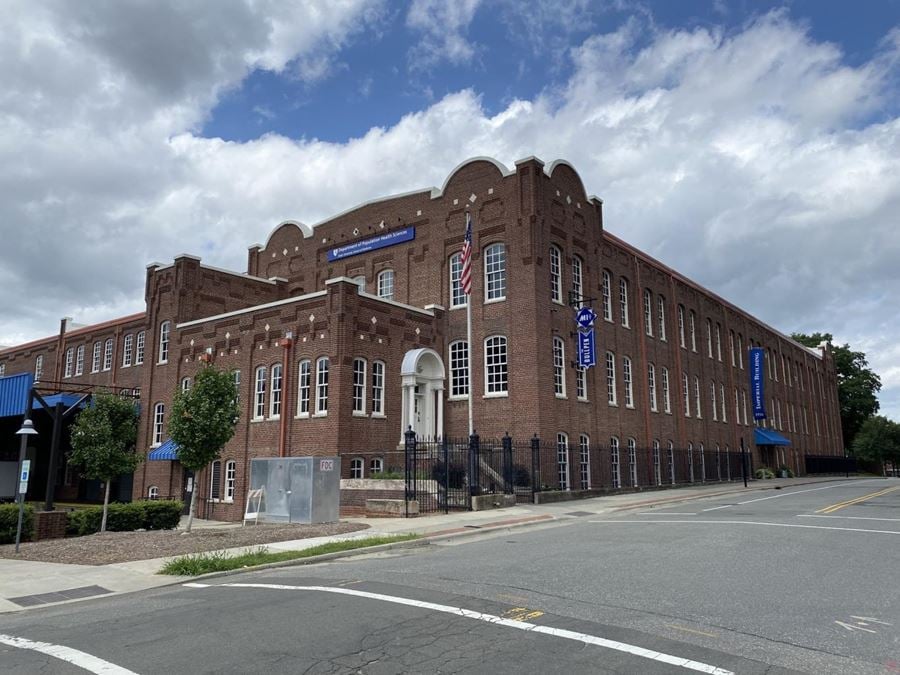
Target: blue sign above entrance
x,y
585,317
372,243
587,356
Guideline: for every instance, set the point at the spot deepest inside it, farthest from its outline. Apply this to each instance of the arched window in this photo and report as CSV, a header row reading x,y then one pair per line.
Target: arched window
x,y
495,272
139,349
611,395
651,386
322,386
555,274
458,298
681,326
108,354
657,469
693,327
731,343
629,384
459,369
153,492
559,369
164,342
632,461
614,463
702,463
303,388
671,455
709,337
581,383
79,360
722,402
159,420
496,367
740,350
377,389
360,282
128,351
356,467
686,394
690,459
697,409
185,383
562,460
661,316
648,312
215,480
275,394
386,284
577,279
359,386
718,341
230,479
259,393
623,301
712,394
95,357
607,295
70,362
377,464
584,453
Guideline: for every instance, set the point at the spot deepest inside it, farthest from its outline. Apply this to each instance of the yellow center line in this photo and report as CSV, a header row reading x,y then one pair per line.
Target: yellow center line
x,y
856,500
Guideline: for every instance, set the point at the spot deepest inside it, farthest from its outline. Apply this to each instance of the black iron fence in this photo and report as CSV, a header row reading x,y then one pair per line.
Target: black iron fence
x,y
830,464
444,474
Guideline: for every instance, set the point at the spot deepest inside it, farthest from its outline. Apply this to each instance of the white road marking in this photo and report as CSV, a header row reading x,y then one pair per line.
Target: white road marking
x,y
741,522
194,584
663,513
796,492
716,508
508,623
813,515
78,658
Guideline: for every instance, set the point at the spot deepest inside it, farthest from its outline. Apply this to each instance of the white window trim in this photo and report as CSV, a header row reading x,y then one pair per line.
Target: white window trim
x,y
562,366
451,396
164,342
494,394
271,406
556,280
225,498
383,400
489,301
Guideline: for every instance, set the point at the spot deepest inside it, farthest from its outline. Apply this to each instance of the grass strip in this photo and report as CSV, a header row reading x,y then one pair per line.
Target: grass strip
x,y
219,561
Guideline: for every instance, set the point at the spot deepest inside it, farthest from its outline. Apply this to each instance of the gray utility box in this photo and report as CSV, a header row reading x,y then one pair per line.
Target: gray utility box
x,y
295,489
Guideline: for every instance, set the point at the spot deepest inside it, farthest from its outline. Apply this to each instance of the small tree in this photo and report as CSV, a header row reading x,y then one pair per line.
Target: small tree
x,y
203,421
878,440
103,438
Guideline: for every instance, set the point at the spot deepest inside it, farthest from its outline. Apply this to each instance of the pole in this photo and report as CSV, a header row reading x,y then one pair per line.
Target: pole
x,y
743,461
54,452
469,361
23,445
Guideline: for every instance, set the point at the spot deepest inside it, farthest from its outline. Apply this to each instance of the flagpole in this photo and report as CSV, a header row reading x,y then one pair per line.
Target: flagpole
x,y
471,353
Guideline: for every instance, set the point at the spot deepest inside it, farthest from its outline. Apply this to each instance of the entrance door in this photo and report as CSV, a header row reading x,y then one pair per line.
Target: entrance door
x,y
422,381
187,487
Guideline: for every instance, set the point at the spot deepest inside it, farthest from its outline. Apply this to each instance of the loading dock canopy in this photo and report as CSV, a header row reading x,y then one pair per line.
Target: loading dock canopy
x,y
769,437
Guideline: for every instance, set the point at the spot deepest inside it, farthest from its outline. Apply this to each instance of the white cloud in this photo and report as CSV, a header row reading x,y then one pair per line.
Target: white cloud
x,y
443,25
757,162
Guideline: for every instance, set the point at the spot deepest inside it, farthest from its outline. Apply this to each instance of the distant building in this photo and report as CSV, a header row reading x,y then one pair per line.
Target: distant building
x,y
343,334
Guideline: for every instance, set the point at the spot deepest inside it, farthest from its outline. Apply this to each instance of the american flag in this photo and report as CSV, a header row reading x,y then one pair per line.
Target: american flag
x,y
466,277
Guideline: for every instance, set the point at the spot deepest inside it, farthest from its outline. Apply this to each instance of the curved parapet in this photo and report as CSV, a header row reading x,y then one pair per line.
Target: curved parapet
x,y
501,170
560,168
305,231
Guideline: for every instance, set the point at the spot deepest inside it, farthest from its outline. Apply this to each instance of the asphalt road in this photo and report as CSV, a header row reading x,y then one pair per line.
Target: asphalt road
x,y
771,582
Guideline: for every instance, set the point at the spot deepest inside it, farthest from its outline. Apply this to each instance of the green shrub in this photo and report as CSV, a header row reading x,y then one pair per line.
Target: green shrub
x,y
140,515
457,474
787,470
9,520
390,474
521,476
764,473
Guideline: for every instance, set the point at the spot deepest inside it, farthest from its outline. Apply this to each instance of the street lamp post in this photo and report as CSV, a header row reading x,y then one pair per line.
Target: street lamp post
x,y
23,434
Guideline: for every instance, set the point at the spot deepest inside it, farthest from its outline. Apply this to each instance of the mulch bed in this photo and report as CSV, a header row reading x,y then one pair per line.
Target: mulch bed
x,y
115,547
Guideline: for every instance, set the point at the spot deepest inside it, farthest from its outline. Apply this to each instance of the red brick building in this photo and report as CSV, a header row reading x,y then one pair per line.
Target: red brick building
x,y
343,334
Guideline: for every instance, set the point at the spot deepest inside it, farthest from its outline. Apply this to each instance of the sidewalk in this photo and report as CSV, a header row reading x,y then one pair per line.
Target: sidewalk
x,y
39,584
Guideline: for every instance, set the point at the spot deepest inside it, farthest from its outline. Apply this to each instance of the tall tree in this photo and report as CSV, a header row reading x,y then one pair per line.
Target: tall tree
x,y
858,385
878,440
203,421
103,439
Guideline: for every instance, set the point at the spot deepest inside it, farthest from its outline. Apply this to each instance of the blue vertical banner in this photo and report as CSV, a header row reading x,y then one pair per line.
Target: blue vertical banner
x,y
587,355
757,354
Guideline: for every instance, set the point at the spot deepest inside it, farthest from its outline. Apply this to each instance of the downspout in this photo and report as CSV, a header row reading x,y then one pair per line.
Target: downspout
x,y
286,343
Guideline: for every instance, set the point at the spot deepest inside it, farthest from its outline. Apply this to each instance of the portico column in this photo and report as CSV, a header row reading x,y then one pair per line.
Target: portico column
x,y
439,431
411,406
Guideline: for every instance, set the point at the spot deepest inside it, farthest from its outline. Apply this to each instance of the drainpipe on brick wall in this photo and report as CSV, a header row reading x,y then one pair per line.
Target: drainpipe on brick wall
x,y
286,343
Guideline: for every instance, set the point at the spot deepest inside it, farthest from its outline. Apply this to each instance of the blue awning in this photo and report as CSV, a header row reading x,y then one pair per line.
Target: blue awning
x,y
14,394
67,400
167,451
769,437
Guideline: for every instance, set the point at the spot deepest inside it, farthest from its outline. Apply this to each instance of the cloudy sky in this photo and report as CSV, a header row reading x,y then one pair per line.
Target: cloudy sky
x,y
754,146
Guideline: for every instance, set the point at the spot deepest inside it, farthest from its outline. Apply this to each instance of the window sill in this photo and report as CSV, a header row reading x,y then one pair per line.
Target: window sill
x,y
583,399
452,307
274,418
504,394
126,365
358,413
321,414
228,501
162,363
155,445
562,397
302,416
256,420
378,416
491,301
458,398
629,407
613,404
557,302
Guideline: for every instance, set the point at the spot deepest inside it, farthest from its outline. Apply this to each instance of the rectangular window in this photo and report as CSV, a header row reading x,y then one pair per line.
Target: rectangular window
x,y
303,388
722,403
459,369
581,383
697,410
555,275
386,284
740,351
629,384
614,464
70,362
457,297
718,341
607,296
159,415
108,355
709,338
667,399
712,394
359,386
611,378
275,396
377,388
686,394
164,342
559,369
2,369
127,351
623,301
259,396
584,453
236,375
651,385
632,461
681,326
230,475
577,280
495,272
322,386
39,367
496,366
648,312
95,357
661,316
139,352
737,407
79,360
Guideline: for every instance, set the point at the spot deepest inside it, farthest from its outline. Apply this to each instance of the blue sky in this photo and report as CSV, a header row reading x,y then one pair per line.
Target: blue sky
x,y
753,146
374,82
